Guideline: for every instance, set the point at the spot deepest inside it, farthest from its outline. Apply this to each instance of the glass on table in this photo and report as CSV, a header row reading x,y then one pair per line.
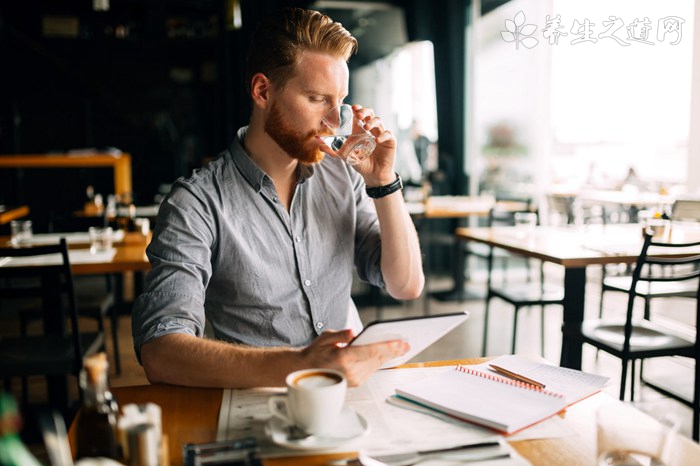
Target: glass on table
x,y
349,140
21,231
100,239
628,437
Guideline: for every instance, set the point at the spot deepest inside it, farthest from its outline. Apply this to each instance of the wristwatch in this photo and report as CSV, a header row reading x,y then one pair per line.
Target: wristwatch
x,y
381,191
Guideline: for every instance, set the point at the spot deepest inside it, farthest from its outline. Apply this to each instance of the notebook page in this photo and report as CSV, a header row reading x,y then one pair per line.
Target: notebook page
x,y
489,401
573,384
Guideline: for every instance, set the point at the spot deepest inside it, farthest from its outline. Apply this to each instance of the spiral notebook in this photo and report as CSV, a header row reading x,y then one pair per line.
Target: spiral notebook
x,y
499,403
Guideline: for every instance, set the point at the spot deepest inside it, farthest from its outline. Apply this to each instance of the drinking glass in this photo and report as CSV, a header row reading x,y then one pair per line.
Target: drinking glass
x,y
100,239
349,140
21,231
629,437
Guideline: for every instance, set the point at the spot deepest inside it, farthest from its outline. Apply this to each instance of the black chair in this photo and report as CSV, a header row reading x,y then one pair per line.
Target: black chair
x,y
638,339
59,351
683,210
501,214
96,300
520,295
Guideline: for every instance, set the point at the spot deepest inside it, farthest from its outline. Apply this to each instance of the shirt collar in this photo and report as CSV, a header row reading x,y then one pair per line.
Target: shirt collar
x,y
250,171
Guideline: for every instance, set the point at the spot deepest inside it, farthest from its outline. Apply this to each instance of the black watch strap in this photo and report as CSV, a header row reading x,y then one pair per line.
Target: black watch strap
x,y
381,191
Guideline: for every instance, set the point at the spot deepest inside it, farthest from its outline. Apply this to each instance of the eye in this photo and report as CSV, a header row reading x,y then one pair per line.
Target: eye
x,y
317,99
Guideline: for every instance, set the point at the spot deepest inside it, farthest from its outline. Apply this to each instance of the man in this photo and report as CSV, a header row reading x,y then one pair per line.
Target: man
x,y
262,241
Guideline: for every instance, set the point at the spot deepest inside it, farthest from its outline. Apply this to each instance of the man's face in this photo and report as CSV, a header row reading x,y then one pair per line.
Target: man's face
x,y
295,112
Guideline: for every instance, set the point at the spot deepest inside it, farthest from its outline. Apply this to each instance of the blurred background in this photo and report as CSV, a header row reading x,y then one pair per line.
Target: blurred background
x,y
473,112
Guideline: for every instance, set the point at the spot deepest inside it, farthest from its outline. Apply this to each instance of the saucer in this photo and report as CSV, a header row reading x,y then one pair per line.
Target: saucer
x,y
350,426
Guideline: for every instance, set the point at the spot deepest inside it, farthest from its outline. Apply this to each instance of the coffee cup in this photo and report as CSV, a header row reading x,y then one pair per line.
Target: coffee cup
x,y
314,400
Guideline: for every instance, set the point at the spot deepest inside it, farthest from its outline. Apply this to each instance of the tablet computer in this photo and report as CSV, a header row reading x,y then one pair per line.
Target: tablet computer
x,y
419,332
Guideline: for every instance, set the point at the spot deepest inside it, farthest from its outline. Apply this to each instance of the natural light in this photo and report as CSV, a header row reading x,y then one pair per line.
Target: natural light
x,y
609,92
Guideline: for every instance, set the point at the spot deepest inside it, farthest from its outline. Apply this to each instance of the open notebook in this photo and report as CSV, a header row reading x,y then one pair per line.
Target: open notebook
x,y
497,402
479,395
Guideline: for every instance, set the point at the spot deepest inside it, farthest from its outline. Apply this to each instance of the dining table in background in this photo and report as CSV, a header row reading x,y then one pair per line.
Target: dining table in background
x,y
574,248
457,208
125,265
629,201
190,415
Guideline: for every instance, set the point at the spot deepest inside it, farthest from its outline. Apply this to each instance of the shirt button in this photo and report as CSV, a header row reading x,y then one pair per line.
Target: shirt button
x,y
319,325
297,239
307,282
275,199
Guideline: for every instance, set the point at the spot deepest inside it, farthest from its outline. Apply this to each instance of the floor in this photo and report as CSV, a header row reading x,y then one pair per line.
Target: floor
x,y
465,341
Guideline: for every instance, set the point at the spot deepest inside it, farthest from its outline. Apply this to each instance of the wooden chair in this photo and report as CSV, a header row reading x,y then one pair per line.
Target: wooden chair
x,y
638,339
44,274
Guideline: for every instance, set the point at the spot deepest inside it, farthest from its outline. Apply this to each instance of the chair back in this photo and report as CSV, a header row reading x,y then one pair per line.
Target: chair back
x,y
686,210
43,272
504,210
663,262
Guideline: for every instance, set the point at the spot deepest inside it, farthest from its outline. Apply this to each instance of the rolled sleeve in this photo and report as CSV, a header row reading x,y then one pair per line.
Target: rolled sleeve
x,y
153,318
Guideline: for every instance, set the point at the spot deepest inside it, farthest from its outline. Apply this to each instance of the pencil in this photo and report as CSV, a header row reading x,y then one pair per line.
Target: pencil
x,y
515,376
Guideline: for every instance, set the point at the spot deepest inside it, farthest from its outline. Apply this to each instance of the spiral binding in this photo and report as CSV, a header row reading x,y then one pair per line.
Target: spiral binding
x,y
512,382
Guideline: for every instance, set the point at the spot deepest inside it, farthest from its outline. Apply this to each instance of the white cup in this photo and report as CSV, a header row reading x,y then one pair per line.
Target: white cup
x,y
21,231
314,400
100,239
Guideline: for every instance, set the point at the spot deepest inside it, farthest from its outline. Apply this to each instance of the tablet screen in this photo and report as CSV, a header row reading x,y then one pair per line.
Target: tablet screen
x,y
419,332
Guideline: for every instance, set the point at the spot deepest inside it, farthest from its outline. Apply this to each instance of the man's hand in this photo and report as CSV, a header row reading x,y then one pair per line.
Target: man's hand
x,y
358,363
378,168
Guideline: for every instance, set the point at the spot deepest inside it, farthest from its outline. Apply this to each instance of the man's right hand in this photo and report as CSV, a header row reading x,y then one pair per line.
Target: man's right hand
x,y
358,363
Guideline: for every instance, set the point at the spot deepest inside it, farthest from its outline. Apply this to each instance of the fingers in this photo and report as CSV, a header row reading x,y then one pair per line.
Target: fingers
x,y
360,362
374,125
330,337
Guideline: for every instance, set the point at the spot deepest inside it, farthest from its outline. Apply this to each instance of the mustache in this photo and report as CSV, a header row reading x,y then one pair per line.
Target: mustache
x,y
323,132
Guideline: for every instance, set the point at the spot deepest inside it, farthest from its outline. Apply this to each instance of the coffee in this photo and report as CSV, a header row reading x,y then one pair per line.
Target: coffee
x,y
316,380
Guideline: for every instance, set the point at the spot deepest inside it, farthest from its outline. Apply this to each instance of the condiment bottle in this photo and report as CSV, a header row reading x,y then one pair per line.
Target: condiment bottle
x,y
96,428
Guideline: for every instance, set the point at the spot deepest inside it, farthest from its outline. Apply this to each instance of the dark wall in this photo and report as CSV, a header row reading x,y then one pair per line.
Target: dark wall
x,y
162,80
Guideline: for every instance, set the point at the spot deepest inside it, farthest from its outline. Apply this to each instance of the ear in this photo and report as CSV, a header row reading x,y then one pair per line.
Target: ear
x,y
260,90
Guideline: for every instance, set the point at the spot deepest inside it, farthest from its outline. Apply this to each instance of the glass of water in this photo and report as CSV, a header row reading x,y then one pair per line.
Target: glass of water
x,y
630,437
349,140
21,231
100,239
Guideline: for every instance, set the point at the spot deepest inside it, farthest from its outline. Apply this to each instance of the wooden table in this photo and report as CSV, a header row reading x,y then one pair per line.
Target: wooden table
x,y
120,163
574,248
190,415
9,213
130,256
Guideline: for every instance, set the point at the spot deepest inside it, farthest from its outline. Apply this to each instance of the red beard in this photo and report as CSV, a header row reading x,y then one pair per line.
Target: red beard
x,y
297,145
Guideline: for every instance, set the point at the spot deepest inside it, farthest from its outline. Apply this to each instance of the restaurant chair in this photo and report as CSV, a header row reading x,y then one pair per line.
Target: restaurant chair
x,y
520,295
57,352
635,339
686,210
683,210
96,300
501,214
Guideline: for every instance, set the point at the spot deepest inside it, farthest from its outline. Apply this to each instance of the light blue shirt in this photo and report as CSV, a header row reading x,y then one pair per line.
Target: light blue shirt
x,y
226,250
